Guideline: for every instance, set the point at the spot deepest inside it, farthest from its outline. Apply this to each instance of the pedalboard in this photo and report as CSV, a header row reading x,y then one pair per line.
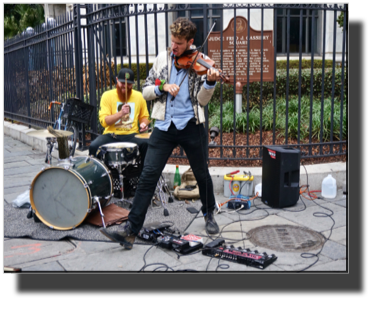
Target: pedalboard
x,y
178,244
218,249
164,237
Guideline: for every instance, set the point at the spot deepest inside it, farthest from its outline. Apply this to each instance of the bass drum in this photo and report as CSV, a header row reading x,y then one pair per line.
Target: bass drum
x,y
63,196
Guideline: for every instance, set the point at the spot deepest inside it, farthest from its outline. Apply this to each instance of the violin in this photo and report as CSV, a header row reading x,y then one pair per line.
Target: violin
x,y
199,64
193,60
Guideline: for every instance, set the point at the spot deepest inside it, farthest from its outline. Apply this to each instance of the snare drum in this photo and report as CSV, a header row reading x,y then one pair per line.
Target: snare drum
x,y
119,153
63,196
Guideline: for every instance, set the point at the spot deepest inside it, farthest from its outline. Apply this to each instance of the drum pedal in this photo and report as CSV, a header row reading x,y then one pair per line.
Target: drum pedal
x,y
36,219
30,213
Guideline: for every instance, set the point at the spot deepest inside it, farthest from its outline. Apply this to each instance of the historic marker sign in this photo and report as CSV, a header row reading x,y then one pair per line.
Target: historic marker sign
x,y
243,43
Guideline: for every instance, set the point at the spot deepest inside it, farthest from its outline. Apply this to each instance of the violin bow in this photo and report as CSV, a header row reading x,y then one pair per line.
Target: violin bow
x,y
196,56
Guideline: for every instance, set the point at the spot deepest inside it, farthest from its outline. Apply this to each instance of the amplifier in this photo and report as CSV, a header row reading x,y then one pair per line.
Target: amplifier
x,y
281,176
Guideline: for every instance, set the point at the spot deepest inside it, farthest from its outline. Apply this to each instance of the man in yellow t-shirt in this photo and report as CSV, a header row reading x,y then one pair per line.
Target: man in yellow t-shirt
x,y
123,113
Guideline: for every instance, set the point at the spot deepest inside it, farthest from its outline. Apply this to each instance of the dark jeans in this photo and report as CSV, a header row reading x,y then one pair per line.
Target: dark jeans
x,y
193,139
111,138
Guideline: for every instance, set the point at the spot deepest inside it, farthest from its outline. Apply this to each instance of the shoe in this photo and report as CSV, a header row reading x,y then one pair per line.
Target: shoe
x,y
211,225
124,235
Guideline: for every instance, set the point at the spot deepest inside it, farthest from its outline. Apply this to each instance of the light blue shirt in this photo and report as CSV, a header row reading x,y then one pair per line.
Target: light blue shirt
x,y
179,111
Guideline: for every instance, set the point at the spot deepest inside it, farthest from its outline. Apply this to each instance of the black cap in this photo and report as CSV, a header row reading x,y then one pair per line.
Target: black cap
x,y
126,74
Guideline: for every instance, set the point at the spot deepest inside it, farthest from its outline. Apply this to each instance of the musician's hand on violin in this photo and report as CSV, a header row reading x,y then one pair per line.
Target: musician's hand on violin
x,y
173,89
212,74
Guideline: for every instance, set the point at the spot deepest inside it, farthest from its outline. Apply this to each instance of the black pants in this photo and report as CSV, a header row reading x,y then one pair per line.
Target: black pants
x,y
193,139
112,138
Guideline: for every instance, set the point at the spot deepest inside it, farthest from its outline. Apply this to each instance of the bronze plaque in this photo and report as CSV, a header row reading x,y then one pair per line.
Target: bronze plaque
x,y
242,45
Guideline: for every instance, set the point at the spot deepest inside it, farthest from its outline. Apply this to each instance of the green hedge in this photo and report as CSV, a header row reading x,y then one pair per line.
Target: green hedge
x,y
268,87
305,64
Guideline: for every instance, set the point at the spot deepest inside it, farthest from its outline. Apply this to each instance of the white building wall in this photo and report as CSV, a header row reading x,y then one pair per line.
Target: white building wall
x,y
255,18
161,31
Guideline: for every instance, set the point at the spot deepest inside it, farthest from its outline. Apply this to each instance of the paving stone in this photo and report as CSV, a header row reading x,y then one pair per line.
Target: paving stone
x,y
335,265
339,235
15,164
51,266
334,250
13,190
22,170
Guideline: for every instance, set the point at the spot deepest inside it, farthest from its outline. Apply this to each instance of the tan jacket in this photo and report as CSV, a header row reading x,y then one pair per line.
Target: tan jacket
x,y
161,69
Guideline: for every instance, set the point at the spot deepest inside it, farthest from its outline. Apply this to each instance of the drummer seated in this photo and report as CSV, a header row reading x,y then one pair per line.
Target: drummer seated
x,y
123,113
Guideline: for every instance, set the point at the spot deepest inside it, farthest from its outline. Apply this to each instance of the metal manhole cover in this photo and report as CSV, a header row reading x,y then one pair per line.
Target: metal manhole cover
x,y
286,238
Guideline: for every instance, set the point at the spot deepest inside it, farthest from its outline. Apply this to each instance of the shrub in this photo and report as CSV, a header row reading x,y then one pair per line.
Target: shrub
x,y
281,86
296,115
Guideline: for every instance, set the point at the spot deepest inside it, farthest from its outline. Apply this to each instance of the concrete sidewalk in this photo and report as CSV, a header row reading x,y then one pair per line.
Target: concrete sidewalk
x,y
24,158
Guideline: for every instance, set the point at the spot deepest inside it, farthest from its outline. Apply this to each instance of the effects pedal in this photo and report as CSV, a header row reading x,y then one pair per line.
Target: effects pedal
x,y
215,243
177,244
183,246
163,236
152,231
164,241
218,249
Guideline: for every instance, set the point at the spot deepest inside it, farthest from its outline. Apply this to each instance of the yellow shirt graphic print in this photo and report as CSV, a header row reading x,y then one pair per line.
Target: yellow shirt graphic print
x,y
126,122
110,104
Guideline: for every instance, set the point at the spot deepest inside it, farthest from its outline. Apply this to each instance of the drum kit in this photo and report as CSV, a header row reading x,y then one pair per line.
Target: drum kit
x,y
62,196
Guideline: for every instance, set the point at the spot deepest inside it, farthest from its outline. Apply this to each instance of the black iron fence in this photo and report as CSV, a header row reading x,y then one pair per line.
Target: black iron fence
x,y
79,55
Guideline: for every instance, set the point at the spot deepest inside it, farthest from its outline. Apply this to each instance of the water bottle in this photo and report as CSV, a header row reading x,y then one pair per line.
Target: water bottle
x,y
177,178
329,187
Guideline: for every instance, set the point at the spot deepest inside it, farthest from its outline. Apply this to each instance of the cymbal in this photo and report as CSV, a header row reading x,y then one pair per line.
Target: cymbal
x,y
46,134
143,135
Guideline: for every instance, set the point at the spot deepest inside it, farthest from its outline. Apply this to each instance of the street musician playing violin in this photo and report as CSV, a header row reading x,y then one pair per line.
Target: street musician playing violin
x,y
179,96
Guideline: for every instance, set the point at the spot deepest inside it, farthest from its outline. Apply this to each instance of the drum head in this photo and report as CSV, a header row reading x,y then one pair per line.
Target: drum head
x,y
60,198
119,145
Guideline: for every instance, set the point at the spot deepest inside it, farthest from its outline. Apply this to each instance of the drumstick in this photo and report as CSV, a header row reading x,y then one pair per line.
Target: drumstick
x,y
126,88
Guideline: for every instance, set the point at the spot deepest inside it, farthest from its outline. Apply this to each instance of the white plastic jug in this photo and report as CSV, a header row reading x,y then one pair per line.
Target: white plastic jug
x,y
329,187
258,190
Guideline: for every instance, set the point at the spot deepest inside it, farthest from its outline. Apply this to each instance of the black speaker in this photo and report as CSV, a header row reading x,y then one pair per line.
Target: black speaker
x,y
281,176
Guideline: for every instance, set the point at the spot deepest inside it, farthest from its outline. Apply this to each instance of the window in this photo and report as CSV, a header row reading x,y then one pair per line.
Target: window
x,y
196,16
114,40
120,39
307,36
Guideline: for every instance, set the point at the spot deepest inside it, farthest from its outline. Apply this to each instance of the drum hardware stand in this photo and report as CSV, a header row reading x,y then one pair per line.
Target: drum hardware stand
x,y
100,210
165,186
51,144
161,187
121,180
49,149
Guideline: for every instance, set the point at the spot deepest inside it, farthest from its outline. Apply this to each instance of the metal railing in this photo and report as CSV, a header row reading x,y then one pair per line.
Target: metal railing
x,y
80,55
